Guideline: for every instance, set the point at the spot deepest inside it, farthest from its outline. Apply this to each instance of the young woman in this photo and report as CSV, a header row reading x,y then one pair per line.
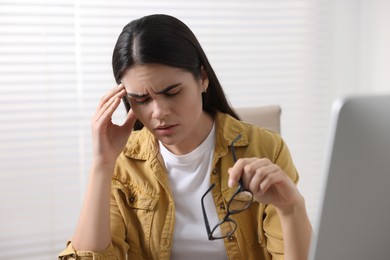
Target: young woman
x,y
183,177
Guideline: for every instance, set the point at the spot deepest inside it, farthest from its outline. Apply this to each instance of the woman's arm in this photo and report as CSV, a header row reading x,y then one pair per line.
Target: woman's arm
x,y
93,229
296,230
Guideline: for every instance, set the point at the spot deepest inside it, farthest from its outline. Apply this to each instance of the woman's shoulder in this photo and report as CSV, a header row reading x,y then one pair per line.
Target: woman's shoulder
x,y
258,140
231,124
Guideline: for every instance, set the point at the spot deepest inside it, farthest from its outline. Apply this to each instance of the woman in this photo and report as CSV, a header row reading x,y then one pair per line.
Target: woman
x,y
149,193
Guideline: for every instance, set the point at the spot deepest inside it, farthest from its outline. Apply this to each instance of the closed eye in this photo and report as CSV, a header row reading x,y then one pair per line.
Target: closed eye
x,y
142,100
172,93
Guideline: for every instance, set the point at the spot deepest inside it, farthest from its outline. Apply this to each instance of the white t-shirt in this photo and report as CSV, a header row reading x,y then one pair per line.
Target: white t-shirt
x,y
189,176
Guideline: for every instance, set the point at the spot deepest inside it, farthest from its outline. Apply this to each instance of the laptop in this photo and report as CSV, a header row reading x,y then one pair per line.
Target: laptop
x,y
354,217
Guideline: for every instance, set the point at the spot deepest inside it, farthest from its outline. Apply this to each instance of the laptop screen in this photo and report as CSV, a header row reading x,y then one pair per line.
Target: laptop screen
x,y
354,220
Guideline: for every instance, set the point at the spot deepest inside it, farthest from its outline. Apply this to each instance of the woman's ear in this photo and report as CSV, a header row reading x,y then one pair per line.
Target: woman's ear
x,y
204,79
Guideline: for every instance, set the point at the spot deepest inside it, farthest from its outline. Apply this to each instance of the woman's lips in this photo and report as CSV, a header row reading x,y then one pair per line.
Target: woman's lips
x,y
165,130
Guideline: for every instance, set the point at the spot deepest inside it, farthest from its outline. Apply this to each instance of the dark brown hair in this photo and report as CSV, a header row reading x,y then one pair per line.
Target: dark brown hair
x,y
166,40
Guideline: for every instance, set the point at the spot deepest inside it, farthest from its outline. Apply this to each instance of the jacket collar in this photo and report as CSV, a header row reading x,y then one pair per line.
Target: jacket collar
x,y
143,145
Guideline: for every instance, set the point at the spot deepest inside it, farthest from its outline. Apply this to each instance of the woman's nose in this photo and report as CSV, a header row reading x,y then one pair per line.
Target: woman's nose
x,y
160,109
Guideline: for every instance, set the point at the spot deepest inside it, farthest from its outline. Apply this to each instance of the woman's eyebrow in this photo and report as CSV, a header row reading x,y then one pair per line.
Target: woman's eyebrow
x,y
165,90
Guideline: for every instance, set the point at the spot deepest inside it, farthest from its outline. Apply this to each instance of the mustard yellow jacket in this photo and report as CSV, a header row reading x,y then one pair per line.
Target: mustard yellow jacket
x,y
143,208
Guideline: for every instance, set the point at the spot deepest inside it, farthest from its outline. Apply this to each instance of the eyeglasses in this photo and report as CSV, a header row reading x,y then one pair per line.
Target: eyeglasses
x,y
240,201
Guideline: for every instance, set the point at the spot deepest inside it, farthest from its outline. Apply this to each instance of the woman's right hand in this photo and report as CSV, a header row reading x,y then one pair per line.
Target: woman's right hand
x,y
109,139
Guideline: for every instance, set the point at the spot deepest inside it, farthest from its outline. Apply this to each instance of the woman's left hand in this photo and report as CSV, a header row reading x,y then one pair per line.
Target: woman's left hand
x,y
267,181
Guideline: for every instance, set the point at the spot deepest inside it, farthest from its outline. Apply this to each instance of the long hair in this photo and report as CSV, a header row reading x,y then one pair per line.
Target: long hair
x,y
166,40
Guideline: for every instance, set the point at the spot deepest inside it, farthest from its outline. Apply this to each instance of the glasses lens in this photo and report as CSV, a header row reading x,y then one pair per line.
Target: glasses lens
x,y
224,229
240,201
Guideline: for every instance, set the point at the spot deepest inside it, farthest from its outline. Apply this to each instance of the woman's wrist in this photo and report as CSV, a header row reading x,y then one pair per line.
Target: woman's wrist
x,y
292,209
102,169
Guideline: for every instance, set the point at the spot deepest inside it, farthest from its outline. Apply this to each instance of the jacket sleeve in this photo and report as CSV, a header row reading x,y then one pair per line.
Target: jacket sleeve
x,y
71,254
273,233
118,247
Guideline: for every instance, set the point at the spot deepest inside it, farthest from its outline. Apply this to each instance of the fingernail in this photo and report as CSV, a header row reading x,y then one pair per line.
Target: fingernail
x,y
230,183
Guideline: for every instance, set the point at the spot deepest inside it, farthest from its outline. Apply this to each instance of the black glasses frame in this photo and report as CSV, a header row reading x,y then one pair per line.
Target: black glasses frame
x,y
226,218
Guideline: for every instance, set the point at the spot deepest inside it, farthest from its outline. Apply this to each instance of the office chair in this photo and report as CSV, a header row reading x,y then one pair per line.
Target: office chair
x,y
264,116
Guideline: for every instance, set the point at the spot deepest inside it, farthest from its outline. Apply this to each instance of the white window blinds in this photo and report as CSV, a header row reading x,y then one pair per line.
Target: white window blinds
x,y
55,60
39,126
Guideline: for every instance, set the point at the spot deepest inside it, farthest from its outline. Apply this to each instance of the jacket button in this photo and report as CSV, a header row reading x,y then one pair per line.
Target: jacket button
x,y
231,238
132,199
222,206
215,171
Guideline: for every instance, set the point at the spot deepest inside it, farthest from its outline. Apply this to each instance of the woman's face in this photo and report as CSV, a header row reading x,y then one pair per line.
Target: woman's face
x,y
168,101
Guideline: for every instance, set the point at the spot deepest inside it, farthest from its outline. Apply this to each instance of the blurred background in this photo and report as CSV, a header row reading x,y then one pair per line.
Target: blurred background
x,y
55,64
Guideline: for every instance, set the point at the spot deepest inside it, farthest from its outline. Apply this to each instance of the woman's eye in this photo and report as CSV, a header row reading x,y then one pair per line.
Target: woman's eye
x,y
142,101
172,93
